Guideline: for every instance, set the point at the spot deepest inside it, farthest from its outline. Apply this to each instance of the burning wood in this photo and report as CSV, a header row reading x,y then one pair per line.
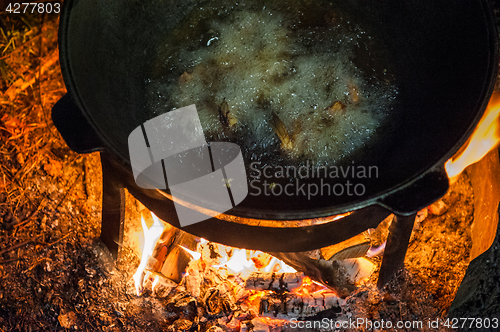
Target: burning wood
x,y
170,256
276,282
351,248
286,306
151,235
233,285
183,305
166,254
326,272
438,208
341,276
358,269
180,325
421,215
375,251
220,281
261,260
485,137
219,300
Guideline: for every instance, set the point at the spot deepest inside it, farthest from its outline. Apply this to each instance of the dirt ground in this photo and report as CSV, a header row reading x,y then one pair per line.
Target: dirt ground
x,y
51,278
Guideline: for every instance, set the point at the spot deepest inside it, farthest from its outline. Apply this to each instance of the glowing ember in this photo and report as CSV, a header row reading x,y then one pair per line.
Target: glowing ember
x,y
151,236
485,137
256,295
310,286
238,262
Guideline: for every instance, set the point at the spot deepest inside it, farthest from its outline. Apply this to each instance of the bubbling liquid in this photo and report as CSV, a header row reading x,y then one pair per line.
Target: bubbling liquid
x,y
273,71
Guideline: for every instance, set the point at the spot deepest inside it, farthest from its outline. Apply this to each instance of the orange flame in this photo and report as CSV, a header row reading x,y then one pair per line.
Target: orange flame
x,y
241,263
238,261
255,295
151,236
155,283
485,138
195,255
279,266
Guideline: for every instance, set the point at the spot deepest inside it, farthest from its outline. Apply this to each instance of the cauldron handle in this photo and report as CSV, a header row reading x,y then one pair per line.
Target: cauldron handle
x,y
418,194
74,127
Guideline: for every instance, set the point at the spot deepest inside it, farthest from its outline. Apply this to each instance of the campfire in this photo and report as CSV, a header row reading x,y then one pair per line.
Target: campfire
x,y
249,289
232,283
483,140
57,275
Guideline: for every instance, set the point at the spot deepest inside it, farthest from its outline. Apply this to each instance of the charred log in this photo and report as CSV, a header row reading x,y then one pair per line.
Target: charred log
x,y
276,282
169,259
331,274
295,306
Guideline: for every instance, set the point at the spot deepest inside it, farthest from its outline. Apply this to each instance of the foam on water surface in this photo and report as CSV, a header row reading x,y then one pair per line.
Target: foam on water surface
x,y
262,61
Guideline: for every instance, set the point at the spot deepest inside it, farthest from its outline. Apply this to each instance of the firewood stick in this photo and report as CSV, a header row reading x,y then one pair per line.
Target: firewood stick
x,y
332,274
295,306
168,258
162,248
277,282
175,264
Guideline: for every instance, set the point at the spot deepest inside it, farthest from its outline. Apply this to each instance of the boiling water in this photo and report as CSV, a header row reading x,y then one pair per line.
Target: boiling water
x,y
263,60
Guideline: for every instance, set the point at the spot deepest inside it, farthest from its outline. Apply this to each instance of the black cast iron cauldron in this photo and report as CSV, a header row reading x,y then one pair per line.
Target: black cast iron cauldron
x,y
443,55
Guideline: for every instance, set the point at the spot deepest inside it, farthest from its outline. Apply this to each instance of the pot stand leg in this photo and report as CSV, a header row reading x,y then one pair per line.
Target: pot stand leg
x,y
396,247
113,207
